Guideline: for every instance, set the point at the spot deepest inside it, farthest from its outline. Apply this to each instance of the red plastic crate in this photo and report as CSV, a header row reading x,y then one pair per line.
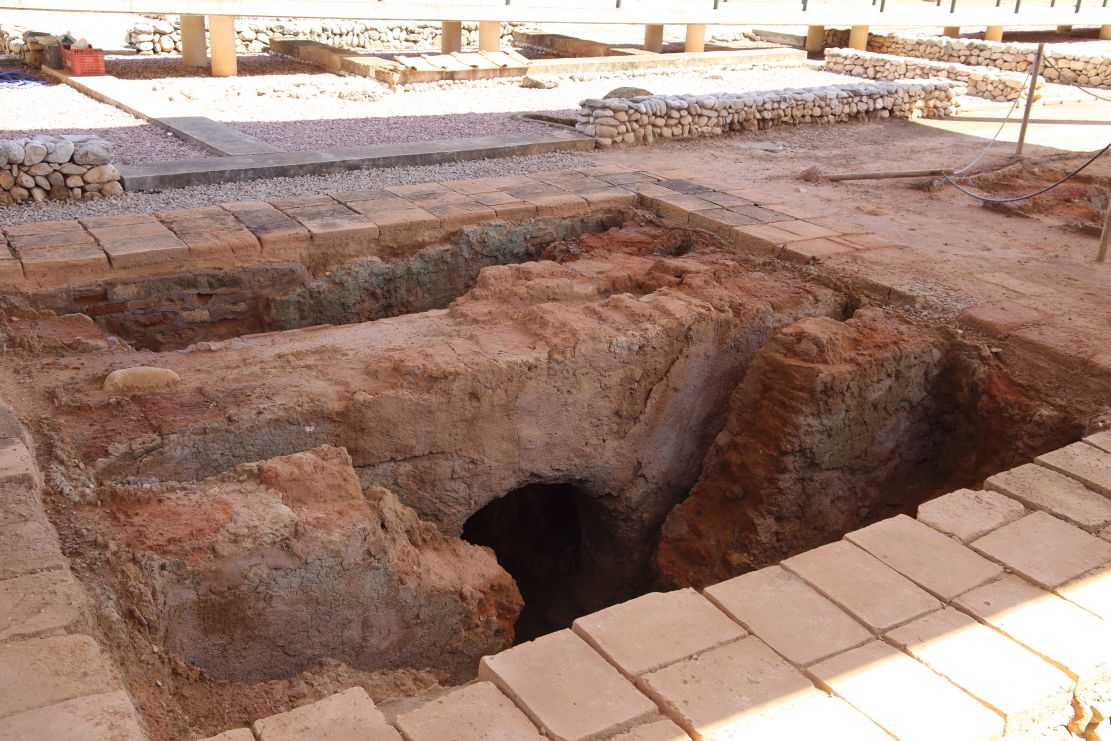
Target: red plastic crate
x,y
83,62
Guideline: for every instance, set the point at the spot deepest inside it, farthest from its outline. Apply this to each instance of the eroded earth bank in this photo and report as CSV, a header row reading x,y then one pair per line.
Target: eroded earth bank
x,y
381,502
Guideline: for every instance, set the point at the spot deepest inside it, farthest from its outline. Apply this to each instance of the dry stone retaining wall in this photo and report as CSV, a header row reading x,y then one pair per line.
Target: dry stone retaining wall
x,y
642,120
163,36
983,82
77,166
1083,69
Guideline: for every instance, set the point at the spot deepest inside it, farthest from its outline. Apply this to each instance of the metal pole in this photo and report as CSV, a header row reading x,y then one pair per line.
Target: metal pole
x,y
1030,98
1105,237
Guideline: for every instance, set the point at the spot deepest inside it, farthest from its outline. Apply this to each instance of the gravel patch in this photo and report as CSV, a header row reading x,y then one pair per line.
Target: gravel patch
x,y
298,110
54,108
207,195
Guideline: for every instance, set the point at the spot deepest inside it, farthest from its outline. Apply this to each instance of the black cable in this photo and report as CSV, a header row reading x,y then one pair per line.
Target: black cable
x,y
1070,176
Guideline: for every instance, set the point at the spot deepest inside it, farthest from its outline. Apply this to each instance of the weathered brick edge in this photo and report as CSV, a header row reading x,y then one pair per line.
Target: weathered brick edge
x,y
55,680
984,617
328,230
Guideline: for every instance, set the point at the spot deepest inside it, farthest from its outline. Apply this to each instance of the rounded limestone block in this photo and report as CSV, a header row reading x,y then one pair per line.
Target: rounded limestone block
x,y
140,378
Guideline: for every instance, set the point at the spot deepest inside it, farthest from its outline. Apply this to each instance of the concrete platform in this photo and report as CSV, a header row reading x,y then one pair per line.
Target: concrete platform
x,y
211,170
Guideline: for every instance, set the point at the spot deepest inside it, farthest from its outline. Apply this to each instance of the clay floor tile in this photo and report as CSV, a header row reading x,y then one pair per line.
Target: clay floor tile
x,y
1044,489
788,615
1044,549
967,515
656,629
935,562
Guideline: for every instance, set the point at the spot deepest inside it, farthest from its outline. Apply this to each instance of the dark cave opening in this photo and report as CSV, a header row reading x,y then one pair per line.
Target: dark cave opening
x,y
536,533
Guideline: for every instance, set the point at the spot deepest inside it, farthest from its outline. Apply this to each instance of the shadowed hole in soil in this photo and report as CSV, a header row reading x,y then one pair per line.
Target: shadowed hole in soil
x,y
536,535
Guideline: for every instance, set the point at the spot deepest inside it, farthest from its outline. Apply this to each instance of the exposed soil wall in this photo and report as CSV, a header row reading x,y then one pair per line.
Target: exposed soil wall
x,y
837,424
263,571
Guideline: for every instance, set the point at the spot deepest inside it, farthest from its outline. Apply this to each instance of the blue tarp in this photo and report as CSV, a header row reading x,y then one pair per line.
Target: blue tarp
x,y
18,79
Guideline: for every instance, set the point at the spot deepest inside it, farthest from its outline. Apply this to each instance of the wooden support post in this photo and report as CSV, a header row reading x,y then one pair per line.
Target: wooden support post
x,y
696,37
489,36
451,36
1105,237
194,45
221,29
1030,97
858,38
815,39
994,33
1105,33
654,38
952,31
1066,30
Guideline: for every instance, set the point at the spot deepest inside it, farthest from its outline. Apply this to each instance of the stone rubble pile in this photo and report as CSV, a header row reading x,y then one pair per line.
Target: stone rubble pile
x,y
643,120
77,166
163,35
984,82
1082,69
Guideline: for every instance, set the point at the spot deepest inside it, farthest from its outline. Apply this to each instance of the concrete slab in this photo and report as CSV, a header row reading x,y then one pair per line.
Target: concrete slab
x,y
1042,488
905,697
566,688
966,514
656,629
862,585
109,716
720,693
1101,440
43,671
478,712
937,563
214,136
281,237
345,716
788,615
1071,637
1030,692
1092,591
1045,550
1085,463
43,604
211,170
660,730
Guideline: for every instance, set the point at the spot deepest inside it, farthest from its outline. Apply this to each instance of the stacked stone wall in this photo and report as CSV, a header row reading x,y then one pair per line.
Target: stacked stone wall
x,y
163,35
642,120
1076,68
984,82
71,166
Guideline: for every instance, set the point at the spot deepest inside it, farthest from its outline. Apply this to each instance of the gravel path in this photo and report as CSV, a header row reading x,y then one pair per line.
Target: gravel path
x,y
207,195
54,108
297,109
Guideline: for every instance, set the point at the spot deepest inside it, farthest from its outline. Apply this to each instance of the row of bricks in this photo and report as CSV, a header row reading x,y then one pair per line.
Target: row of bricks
x,y
977,620
55,680
322,231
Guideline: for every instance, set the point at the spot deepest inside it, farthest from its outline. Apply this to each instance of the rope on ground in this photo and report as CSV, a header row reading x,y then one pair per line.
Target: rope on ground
x,y
1062,72
1070,176
1006,120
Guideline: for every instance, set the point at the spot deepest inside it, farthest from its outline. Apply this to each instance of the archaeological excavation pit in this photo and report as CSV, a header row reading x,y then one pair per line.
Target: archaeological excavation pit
x,y
379,471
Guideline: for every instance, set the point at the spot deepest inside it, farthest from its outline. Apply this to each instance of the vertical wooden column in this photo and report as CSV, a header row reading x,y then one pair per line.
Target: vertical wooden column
x,y
1105,32
1067,30
451,36
696,37
815,39
952,31
221,30
194,46
654,38
994,33
489,35
858,38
